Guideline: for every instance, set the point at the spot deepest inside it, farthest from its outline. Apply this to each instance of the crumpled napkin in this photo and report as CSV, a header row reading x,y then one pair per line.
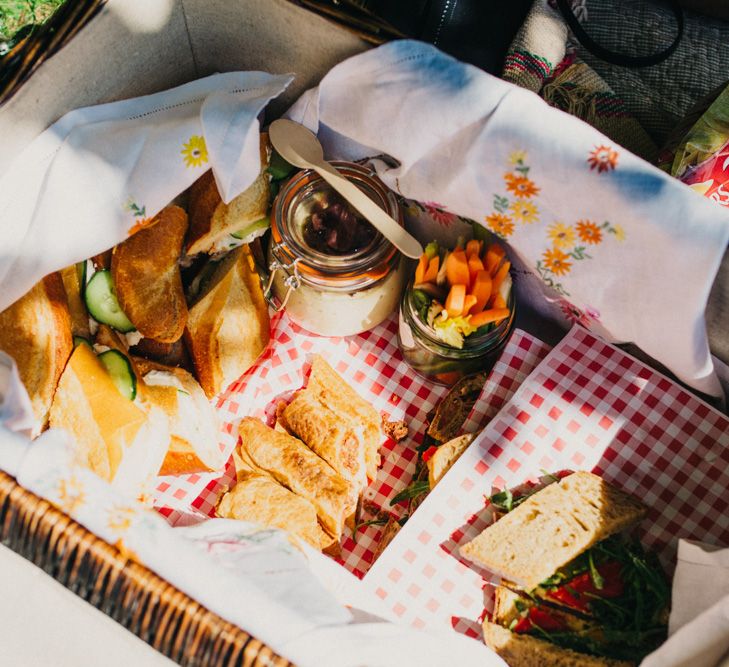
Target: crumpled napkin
x,y
597,234
699,623
84,183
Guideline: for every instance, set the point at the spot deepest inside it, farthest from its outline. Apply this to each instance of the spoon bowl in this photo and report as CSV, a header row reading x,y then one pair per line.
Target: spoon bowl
x,y
301,148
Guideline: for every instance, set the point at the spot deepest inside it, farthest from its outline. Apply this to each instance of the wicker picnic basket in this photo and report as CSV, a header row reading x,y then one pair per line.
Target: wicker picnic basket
x,y
143,603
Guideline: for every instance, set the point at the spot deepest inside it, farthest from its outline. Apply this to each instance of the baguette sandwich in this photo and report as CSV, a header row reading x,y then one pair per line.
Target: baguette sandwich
x,y
36,332
120,441
216,226
228,326
574,591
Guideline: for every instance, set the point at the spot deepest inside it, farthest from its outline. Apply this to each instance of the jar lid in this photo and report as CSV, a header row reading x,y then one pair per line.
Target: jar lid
x,y
312,223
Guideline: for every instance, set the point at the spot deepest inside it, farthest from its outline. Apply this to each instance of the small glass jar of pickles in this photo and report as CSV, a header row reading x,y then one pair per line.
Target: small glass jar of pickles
x,y
457,312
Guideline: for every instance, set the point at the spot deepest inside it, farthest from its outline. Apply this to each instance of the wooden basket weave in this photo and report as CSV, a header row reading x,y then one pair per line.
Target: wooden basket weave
x,y
154,610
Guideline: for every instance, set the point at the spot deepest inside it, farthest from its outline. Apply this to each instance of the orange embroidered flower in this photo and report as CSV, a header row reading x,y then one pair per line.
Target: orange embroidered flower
x,y
520,186
562,236
603,158
557,261
500,224
139,225
589,232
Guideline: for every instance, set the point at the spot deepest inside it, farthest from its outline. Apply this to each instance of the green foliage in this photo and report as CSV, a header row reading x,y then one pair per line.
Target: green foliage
x,y
17,17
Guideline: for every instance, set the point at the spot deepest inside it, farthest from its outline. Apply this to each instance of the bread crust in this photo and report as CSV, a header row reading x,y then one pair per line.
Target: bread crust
x,y
36,332
211,219
228,327
553,527
147,276
520,650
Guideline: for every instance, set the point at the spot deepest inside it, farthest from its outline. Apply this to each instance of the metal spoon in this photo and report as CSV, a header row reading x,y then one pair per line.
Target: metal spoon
x,y
300,147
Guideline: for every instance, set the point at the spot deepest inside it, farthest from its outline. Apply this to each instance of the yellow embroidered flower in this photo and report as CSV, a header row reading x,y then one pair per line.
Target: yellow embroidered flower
x,y
589,232
563,236
70,495
500,224
603,158
518,157
520,186
619,232
120,519
524,211
557,262
194,152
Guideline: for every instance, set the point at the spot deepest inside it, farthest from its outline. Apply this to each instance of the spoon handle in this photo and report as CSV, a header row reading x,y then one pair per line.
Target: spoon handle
x,y
389,228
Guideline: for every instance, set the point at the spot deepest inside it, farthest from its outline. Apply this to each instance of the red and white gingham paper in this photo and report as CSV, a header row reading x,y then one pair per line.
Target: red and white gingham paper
x,y
372,364
587,406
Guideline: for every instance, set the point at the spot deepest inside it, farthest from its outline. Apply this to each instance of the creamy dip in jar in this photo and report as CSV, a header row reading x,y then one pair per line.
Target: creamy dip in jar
x,y
332,272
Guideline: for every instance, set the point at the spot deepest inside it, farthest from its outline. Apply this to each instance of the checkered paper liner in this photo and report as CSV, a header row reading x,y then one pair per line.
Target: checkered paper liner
x,y
586,406
372,364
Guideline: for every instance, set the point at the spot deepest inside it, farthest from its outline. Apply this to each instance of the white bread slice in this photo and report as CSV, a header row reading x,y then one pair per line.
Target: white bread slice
x,y
552,527
88,405
192,420
228,327
36,332
147,277
445,456
212,221
519,650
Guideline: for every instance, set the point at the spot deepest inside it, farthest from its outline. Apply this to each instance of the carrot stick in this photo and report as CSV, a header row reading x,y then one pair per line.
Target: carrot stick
x,y
431,272
500,275
481,290
498,301
455,301
488,316
457,268
473,247
474,266
469,302
494,254
420,270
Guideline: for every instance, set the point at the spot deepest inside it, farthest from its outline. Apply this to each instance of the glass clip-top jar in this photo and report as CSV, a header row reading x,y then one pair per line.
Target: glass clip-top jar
x,y
332,272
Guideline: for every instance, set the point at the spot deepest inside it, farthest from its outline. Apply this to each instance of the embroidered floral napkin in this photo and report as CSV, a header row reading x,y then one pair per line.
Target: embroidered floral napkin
x,y
596,234
85,183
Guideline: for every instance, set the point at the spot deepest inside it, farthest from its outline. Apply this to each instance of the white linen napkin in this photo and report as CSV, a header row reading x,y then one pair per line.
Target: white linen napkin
x,y
84,183
698,627
609,240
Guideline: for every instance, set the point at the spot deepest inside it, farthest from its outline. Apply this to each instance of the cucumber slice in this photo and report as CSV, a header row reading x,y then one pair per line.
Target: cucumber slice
x,y
256,226
102,303
121,372
80,340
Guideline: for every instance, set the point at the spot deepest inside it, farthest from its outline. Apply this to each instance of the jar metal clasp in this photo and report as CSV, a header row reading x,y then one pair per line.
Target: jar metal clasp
x,y
291,269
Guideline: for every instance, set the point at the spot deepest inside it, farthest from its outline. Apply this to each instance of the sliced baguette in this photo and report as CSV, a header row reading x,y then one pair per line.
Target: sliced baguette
x,y
193,422
552,527
88,405
445,456
228,327
36,332
147,277
212,220
520,650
